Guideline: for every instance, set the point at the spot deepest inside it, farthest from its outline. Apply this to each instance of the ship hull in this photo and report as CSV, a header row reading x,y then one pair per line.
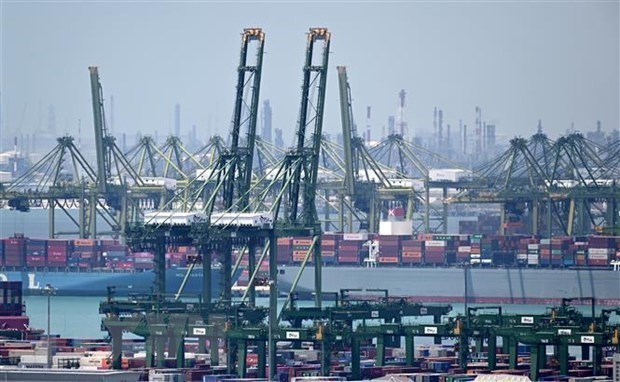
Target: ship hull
x,y
95,283
453,285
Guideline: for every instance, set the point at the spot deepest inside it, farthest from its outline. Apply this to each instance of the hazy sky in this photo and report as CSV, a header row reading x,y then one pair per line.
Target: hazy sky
x,y
519,61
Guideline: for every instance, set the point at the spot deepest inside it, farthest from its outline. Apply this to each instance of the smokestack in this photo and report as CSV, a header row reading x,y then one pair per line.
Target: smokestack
x,y
278,140
177,120
391,125
435,140
367,124
15,157
465,139
267,121
401,113
440,127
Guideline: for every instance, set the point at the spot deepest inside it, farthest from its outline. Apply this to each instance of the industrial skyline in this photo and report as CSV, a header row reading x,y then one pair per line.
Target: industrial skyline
x,y
520,62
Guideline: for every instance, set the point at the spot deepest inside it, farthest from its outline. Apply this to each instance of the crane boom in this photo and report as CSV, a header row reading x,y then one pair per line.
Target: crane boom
x,y
348,132
309,152
242,154
99,123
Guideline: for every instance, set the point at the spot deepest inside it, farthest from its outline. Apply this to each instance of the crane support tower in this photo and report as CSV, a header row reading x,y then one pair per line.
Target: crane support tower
x,y
300,166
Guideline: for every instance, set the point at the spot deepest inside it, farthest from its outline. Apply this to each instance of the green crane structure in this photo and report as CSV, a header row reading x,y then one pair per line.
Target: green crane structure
x,y
295,207
548,188
64,179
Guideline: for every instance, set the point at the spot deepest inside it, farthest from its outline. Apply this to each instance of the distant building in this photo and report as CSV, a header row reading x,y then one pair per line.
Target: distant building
x,y
278,141
597,136
267,122
177,120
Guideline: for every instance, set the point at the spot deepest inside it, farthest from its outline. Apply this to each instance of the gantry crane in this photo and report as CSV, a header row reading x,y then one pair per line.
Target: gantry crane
x,y
228,181
358,193
65,179
300,167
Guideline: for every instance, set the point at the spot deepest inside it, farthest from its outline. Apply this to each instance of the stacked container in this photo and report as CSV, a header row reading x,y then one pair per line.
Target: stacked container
x,y
15,252
560,250
85,253
284,249
111,251
532,253
389,250
545,252
176,259
600,250
114,257
58,252
581,250
143,260
475,247
2,251
435,252
488,247
301,245
36,250
412,252
329,248
350,248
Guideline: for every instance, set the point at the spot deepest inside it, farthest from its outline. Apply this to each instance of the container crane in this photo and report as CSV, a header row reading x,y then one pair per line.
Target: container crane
x,y
300,166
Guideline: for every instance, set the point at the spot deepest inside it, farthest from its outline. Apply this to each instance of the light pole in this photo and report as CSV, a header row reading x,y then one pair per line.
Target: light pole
x,y
271,348
49,290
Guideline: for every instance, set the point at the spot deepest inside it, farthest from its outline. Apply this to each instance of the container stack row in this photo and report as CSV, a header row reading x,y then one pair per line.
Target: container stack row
x,y
352,249
447,250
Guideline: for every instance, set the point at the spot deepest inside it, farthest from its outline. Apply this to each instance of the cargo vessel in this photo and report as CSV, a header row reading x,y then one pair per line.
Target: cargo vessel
x,y
454,268
85,267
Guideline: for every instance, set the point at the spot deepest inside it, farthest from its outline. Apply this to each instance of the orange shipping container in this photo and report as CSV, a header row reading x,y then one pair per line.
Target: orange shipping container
x,y
412,254
388,260
302,241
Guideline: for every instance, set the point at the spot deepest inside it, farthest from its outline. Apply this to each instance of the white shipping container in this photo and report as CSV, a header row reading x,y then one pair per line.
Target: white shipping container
x,y
601,251
533,246
487,261
532,257
474,256
465,248
474,261
532,261
598,256
355,236
521,256
435,243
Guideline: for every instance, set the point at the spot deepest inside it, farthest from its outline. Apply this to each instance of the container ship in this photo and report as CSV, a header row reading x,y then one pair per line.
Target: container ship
x,y
428,268
515,269
86,267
